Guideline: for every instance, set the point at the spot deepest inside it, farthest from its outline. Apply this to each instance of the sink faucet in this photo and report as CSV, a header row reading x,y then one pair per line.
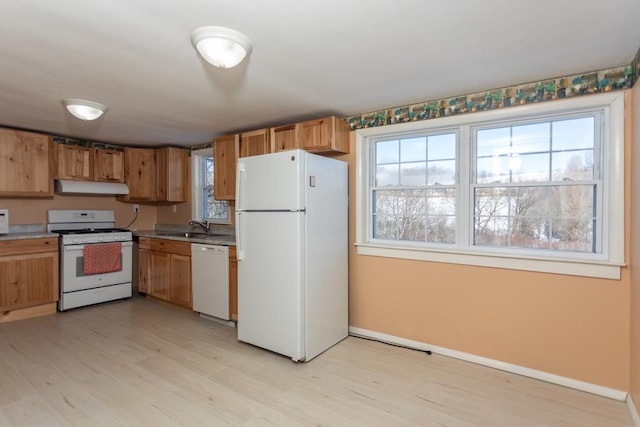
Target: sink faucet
x,y
204,224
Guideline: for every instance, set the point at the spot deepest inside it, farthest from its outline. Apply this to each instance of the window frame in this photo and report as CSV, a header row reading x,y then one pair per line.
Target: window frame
x,y
197,164
604,265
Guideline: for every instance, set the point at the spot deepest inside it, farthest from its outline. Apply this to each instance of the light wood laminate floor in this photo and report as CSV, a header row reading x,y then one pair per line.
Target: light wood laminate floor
x,y
138,362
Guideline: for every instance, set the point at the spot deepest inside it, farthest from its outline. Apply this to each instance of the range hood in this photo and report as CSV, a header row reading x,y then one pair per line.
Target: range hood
x,y
68,186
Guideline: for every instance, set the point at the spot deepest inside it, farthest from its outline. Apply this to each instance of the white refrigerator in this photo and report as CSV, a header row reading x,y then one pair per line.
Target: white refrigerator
x,y
292,249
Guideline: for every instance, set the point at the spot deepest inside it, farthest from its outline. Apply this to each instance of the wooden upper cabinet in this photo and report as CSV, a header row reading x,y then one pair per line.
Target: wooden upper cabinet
x,y
72,162
156,175
87,164
139,174
225,156
172,172
328,135
25,164
108,165
285,137
255,143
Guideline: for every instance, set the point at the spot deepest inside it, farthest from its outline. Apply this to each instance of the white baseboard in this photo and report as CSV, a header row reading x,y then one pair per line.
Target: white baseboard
x,y
633,411
508,367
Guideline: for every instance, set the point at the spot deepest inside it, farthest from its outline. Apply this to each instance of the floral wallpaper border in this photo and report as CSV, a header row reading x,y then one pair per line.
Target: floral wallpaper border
x,y
545,90
201,146
83,143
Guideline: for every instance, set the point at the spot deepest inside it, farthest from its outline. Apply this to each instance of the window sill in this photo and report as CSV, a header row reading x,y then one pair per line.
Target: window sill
x,y
573,267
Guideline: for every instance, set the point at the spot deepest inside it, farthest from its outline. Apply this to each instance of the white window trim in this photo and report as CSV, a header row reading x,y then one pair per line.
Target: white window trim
x,y
607,266
196,173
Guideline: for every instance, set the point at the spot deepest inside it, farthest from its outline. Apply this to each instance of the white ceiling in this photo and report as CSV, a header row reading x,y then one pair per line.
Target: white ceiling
x,y
309,59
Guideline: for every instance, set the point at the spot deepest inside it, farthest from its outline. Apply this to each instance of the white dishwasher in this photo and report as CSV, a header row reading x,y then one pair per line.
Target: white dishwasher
x,y
210,279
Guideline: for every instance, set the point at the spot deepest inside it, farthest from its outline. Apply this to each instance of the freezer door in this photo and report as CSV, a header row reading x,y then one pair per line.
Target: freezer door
x,y
270,281
271,181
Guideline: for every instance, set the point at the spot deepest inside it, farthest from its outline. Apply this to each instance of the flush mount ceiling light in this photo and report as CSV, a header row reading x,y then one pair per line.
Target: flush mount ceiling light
x,y
83,109
220,46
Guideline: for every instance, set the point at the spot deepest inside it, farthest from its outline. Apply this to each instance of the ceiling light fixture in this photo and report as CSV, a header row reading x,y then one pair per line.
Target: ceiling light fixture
x,y
220,46
83,109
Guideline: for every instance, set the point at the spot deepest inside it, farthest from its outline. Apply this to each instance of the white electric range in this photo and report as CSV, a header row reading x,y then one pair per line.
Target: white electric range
x,y
80,231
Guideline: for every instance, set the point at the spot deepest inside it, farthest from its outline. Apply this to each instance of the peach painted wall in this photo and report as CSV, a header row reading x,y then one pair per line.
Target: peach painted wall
x,y
182,214
635,252
34,211
570,326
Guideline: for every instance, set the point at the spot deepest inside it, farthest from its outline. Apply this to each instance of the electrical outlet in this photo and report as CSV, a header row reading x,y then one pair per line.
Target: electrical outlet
x,y
136,208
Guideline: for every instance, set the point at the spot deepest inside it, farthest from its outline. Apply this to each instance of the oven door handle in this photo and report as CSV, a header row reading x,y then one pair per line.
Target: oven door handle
x,y
80,247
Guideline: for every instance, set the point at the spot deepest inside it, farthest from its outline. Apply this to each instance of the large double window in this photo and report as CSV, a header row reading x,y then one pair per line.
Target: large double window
x,y
524,188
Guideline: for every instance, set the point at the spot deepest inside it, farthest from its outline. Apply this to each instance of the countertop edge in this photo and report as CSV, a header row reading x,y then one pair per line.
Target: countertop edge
x,y
211,240
27,235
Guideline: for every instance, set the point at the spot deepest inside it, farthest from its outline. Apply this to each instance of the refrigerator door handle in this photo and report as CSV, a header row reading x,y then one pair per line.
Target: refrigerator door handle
x,y
239,181
239,245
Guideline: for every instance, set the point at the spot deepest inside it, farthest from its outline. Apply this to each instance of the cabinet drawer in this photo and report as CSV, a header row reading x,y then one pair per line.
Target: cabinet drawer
x,y
28,246
171,246
144,242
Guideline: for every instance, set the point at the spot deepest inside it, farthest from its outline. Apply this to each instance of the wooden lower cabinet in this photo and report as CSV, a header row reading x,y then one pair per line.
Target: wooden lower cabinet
x,y
180,282
143,269
233,283
159,274
28,277
164,270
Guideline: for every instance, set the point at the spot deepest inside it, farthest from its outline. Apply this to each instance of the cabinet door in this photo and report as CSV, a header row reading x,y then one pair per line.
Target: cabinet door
x,y
143,270
28,280
72,162
285,138
140,174
225,156
325,135
180,287
26,155
255,143
159,274
233,284
172,166
108,165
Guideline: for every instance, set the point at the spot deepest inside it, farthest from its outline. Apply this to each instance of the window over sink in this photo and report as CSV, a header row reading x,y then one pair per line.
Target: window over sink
x,y
205,205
